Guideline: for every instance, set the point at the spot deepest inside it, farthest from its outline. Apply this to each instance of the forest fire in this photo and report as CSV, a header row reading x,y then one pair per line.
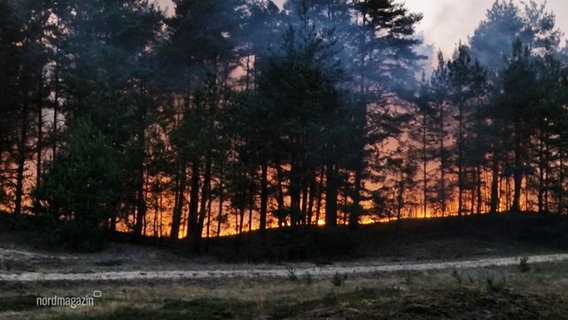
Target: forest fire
x,y
268,127
289,159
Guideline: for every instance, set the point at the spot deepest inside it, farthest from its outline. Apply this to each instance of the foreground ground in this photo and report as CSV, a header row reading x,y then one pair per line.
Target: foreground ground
x,y
519,291
494,271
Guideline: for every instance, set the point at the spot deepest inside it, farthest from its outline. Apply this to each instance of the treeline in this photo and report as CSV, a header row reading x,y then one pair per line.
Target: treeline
x,y
238,115
493,117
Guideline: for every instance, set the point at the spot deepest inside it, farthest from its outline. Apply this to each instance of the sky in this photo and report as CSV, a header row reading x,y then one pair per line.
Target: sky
x,y
446,22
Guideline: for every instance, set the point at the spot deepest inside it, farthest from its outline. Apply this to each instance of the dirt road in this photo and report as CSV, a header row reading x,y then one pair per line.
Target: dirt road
x,y
270,271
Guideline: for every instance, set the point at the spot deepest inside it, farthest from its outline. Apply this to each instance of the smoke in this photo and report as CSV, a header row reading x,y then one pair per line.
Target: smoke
x,y
279,3
165,5
446,22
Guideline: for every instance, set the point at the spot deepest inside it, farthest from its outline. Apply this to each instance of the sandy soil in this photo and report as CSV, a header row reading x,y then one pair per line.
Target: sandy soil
x,y
92,267
20,262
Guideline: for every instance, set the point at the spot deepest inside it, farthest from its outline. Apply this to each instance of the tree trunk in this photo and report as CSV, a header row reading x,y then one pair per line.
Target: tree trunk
x,y
250,203
479,197
263,195
192,221
112,227
221,200
39,135
140,197
178,202
319,196
294,191
304,210
281,217
331,196
541,171
241,218
424,166
356,212
517,173
141,211
208,228
460,162
442,165
55,104
21,159
547,168
359,165
494,206
205,191
311,198
560,187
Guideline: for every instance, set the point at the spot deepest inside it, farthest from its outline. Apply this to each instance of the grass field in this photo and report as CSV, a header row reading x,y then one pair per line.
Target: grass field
x,y
525,290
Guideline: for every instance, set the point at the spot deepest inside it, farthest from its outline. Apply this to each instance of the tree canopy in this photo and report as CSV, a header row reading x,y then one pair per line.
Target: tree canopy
x,y
236,115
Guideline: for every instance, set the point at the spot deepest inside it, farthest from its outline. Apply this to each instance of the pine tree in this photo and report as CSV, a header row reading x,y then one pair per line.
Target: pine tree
x,y
492,44
207,44
467,87
299,84
24,38
80,187
105,78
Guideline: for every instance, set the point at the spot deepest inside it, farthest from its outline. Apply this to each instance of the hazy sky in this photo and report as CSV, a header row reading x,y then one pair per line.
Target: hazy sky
x,y
447,21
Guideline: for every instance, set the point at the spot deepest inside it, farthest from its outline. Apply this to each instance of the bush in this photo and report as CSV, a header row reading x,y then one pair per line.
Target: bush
x,y
82,184
524,264
496,285
292,274
338,279
77,237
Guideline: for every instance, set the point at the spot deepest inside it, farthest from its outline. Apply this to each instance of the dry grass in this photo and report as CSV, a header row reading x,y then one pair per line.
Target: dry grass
x,y
540,293
522,291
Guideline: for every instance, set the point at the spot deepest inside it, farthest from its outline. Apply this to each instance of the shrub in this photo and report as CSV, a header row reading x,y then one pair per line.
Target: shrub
x,y
78,237
494,285
292,274
338,279
524,264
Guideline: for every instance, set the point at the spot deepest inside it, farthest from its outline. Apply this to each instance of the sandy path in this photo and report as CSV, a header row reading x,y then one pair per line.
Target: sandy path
x,y
271,271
